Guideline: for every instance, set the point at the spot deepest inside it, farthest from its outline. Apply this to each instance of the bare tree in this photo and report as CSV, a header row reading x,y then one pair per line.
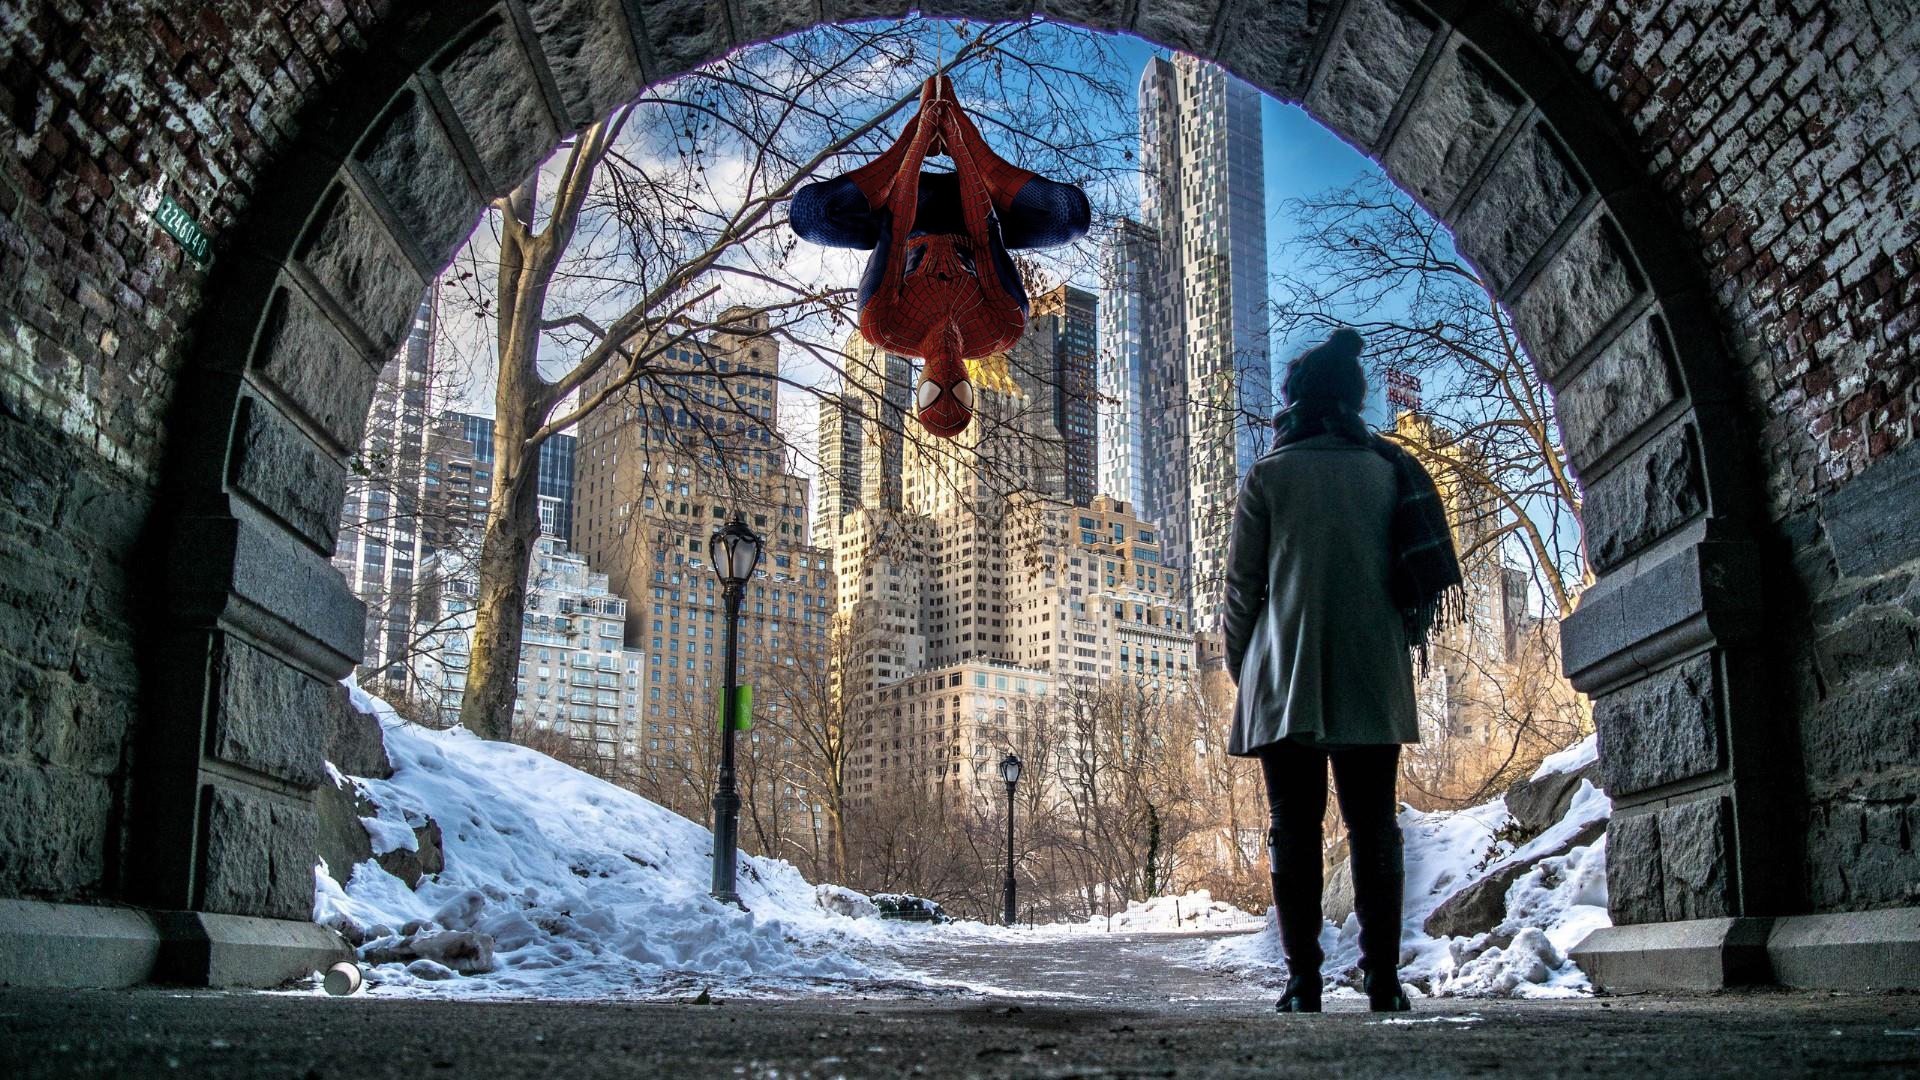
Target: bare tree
x,y
1366,256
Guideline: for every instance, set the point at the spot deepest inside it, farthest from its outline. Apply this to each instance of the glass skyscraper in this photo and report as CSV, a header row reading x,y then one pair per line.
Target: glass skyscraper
x,y
1188,373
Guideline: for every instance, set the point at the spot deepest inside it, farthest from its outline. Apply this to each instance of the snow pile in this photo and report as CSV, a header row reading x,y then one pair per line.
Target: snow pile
x,y
559,884
1548,909
1196,910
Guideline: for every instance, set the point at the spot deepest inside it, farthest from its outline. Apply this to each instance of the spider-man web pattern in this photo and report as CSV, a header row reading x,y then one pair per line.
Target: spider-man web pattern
x,y
923,293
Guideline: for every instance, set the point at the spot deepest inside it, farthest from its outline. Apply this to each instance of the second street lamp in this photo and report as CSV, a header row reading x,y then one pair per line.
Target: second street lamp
x,y
735,551
1010,772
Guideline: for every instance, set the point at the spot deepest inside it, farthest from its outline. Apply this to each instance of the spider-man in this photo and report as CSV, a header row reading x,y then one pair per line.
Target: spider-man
x,y
923,293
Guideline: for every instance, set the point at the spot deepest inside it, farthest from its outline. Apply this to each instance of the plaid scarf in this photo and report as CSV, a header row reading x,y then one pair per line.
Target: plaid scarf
x,y
1424,578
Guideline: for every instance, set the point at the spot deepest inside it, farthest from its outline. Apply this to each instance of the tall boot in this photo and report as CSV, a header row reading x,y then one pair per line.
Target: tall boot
x,y
1296,902
1379,880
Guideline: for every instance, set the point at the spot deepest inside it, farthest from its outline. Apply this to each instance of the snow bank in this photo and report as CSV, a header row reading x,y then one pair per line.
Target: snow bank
x,y
1196,910
559,884
1549,908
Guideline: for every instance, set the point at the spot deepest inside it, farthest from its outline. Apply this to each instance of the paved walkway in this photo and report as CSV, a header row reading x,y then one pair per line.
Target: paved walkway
x,y
1140,1007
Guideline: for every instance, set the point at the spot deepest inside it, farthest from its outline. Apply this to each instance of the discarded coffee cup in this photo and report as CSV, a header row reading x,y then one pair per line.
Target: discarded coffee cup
x,y
342,978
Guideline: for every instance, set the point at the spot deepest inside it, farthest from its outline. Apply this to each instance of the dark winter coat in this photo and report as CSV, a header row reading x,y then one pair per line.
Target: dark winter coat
x,y
1313,639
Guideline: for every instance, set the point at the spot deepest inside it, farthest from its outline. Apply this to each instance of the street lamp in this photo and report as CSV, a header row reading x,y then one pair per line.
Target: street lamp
x,y
1010,772
734,551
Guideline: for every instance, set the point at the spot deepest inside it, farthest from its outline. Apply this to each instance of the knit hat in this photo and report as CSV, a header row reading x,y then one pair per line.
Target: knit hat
x,y
1329,372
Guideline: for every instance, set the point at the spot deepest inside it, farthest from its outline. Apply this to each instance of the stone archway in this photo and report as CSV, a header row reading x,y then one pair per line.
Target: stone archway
x,y
1507,136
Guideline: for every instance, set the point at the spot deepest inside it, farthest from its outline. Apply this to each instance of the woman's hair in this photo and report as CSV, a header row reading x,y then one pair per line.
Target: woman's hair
x,y
1328,373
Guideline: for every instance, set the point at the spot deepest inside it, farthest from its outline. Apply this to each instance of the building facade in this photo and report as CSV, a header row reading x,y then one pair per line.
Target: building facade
x,y
554,487
1075,315
1200,299
577,678
1128,366
667,461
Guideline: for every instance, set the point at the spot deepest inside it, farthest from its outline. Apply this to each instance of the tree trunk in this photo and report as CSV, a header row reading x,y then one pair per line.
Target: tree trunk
x,y
521,401
506,552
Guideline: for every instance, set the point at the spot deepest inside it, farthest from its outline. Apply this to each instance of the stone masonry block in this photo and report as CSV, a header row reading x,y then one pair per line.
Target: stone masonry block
x,y
1665,727
291,581
1862,855
1696,849
1180,24
683,34
1644,497
854,10
1368,66
1624,387
259,855
494,92
1588,282
42,594
303,355
1633,870
275,463
53,829
55,717
1269,44
1870,521
267,715
415,167
589,52
1450,128
764,20
1518,206
1863,730
350,253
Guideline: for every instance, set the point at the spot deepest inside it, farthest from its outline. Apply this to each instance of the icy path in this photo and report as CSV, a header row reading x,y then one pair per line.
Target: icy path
x,y
1157,970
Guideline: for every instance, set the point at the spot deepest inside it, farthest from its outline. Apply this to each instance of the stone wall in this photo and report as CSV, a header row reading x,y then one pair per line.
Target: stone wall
x,y
1787,137
1694,211
101,106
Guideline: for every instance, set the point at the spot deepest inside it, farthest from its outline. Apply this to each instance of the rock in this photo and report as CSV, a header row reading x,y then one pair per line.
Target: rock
x,y
426,858
354,743
842,901
427,969
1336,899
339,838
1539,804
1482,905
461,950
460,911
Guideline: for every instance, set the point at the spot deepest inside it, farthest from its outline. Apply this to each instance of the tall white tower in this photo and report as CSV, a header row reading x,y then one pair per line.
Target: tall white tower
x,y
1205,380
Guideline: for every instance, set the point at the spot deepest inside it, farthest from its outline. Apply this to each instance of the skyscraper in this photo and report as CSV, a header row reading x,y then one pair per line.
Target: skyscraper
x,y
840,458
395,512
1204,342
1128,272
554,485
1075,346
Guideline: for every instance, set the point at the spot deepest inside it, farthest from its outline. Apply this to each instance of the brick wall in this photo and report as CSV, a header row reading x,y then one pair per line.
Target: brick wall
x,y
100,102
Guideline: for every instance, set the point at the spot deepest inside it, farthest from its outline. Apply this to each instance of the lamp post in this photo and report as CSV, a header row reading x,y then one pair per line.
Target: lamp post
x,y
735,550
1010,772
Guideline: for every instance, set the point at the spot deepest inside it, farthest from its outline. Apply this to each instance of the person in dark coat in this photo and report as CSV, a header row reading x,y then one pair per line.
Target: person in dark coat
x,y
1341,562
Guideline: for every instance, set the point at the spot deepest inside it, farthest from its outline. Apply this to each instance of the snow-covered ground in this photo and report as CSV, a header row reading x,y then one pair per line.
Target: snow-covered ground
x,y
560,884
1191,911
1549,909
557,884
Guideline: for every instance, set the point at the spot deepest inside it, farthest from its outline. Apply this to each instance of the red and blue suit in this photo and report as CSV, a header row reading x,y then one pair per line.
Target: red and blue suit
x,y
940,284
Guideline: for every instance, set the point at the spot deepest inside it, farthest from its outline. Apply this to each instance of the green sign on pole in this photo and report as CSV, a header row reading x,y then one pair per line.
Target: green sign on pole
x,y
742,707
174,218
